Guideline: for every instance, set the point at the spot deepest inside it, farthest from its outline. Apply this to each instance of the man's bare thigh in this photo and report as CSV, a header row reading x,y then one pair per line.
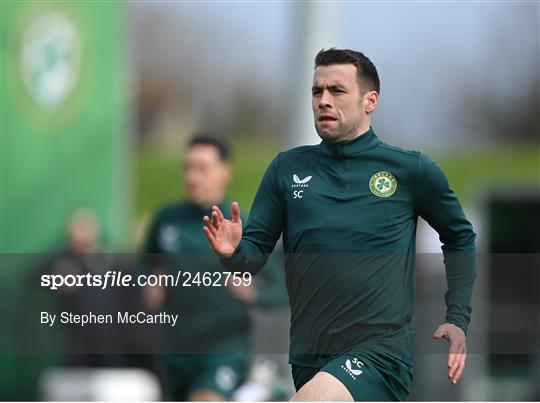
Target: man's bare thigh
x,y
323,387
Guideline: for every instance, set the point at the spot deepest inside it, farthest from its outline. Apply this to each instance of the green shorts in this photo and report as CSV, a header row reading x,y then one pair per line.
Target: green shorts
x,y
219,373
367,375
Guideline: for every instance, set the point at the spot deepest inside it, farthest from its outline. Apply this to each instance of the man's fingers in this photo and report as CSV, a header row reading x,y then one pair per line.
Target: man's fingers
x,y
454,365
219,213
457,376
210,237
455,350
235,211
208,224
455,360
215,219
453,370
451,361
459,370
206,221
439,333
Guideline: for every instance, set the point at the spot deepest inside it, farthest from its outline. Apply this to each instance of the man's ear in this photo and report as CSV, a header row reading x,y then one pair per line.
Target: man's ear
x,y
372,100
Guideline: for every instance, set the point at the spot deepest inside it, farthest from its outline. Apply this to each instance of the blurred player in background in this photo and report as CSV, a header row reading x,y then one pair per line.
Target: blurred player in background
x,y
211,342
347,209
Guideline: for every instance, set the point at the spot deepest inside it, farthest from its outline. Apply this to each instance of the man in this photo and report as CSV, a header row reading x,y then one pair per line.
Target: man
x,y
212,340
82,255
347,209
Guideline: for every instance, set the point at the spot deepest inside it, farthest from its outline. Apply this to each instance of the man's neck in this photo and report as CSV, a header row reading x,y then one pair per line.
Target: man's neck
x,y
208,204
354,135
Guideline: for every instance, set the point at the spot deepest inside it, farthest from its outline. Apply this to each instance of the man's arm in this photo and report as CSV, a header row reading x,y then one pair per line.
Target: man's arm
x,y
438,205
249,251
268,290
271,289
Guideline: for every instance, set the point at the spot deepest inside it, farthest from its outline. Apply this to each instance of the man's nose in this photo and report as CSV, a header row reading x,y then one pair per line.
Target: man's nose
x,y
326,100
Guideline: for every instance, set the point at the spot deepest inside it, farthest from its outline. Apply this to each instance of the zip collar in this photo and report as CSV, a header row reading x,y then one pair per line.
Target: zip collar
x,y
350,148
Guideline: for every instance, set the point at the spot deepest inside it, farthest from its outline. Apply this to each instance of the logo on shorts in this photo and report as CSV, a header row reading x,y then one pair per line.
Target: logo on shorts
x,y
353,367
226,378
383,184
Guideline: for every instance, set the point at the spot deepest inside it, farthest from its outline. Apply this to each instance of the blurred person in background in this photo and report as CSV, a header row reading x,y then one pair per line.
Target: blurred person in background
x,y
347,209
206,355
91,345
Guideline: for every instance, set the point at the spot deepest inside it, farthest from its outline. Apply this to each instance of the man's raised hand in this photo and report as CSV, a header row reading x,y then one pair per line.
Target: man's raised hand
x,y
223,235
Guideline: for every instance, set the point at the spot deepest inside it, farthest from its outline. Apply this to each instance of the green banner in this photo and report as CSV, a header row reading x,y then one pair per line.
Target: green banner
x,y
64,142
64,126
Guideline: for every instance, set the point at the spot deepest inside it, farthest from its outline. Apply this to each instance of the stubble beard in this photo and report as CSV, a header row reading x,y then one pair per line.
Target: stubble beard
x,y
340,133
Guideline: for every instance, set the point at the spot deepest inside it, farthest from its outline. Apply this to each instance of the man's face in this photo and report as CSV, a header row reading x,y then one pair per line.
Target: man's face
x,y
83,231
206,175
340,109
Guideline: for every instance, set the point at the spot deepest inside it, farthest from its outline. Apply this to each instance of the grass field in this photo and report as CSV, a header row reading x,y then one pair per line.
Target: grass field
x,y
471,174
503,170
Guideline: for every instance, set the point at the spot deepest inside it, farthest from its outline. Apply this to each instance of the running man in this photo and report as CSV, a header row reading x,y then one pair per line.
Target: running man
x,y
348,210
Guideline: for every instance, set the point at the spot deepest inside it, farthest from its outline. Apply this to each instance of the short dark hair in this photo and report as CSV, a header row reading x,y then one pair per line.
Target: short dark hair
x,y
366,72
208,139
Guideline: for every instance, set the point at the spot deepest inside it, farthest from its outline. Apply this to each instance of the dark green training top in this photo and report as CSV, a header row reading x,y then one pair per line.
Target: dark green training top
x,y
211,320
348,214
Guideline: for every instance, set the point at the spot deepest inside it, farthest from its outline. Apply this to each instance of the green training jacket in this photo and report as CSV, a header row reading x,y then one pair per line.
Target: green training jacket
x,y
348,213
